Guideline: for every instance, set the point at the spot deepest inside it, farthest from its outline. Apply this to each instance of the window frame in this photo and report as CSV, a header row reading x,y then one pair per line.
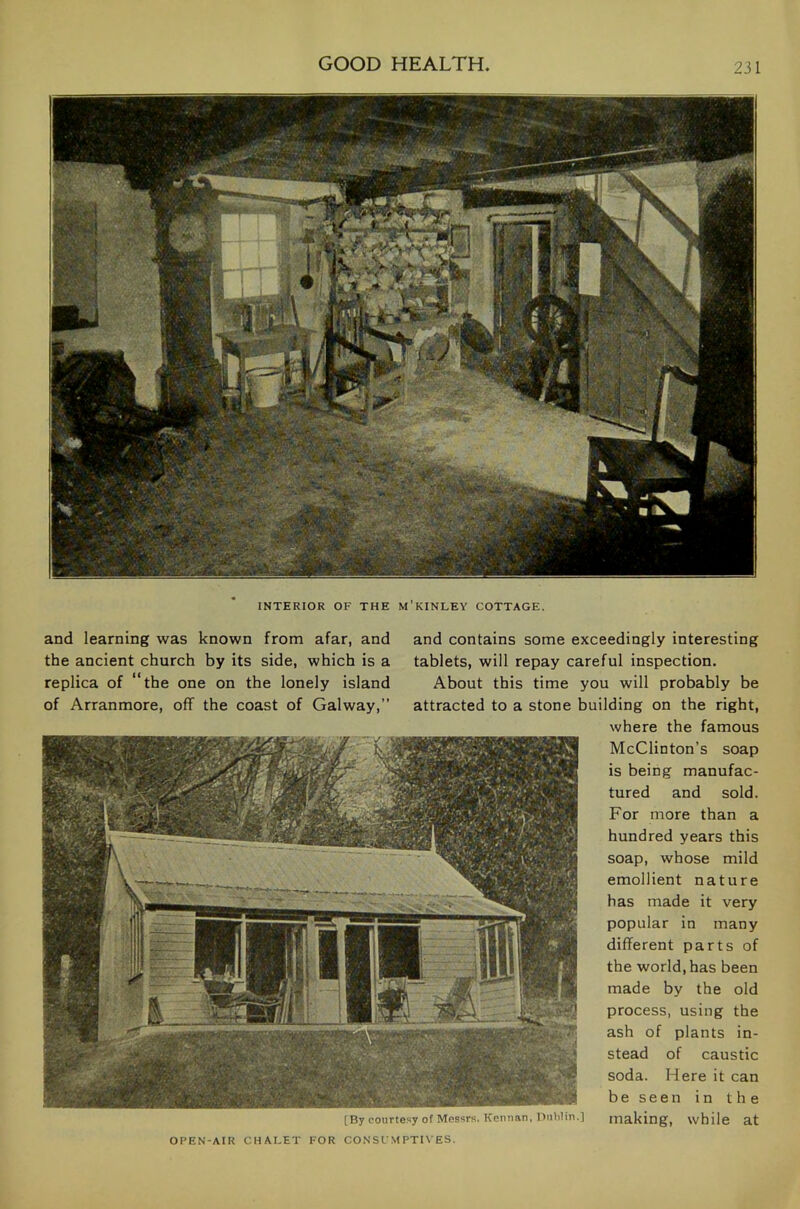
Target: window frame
x,y
328,930
493,956
236,921
135,938
414,926
230,308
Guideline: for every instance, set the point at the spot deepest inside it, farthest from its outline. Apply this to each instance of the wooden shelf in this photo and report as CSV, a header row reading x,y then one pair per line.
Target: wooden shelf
x,y
434,235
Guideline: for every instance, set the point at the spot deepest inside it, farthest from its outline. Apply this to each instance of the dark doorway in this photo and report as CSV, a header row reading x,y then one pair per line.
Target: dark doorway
x,y
266,957
359,974
521,271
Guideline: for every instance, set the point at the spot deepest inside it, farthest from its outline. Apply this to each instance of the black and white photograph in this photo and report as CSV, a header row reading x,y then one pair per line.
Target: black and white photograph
x,y
309,922
402,335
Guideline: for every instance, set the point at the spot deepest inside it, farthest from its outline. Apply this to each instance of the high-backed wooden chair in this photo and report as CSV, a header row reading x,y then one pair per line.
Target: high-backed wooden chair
x,y
632,474
361,375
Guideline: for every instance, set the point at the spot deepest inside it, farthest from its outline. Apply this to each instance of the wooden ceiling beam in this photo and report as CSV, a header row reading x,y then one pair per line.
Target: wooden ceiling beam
x,y
404,154
356,118
450,176
342,158
461,139
487,198
522,111
398,142
353,120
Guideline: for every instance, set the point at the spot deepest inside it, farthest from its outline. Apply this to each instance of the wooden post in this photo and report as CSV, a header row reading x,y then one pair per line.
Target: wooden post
x,y
341,927
312,970
64,979
376,967
478,941
516,945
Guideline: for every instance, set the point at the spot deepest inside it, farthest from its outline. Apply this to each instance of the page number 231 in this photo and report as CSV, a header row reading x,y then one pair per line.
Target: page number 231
x,y
746,67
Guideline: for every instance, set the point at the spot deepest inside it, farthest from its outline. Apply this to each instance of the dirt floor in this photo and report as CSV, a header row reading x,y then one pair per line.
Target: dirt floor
x,y
470,477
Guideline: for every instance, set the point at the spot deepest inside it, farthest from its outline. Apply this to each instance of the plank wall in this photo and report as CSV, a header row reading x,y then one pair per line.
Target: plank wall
x,y
181,997
120,998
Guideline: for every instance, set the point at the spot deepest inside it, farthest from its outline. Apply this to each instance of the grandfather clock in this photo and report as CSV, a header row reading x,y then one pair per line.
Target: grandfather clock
x,y
185,225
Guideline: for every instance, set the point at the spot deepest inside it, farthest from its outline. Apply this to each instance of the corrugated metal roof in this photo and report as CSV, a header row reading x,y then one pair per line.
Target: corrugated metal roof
x,y
302,902
185,871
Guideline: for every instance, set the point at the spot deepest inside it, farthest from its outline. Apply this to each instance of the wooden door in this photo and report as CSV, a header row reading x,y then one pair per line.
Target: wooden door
x,y
522,270
620,360
326,991
635,378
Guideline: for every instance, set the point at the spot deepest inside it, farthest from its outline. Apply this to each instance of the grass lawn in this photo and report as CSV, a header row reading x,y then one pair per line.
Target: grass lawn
x,y
532,1064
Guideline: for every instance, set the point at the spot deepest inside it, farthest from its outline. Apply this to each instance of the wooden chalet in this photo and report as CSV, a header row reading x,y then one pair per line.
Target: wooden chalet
x,y
334,925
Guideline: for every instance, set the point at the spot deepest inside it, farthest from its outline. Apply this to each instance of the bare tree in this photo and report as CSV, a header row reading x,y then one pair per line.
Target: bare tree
x,y
269,787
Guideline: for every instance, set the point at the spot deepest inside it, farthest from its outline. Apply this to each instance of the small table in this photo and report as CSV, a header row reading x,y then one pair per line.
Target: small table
x,y
283,338
419,330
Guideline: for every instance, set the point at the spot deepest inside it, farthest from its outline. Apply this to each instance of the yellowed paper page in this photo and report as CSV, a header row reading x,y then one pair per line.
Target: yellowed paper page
x,y
604,730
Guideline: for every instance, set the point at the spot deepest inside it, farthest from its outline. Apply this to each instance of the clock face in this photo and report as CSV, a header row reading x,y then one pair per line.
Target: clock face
x,y
187,232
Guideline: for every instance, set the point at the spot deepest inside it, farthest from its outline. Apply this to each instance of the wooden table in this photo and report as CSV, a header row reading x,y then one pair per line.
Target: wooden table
x,y
283,338
419,330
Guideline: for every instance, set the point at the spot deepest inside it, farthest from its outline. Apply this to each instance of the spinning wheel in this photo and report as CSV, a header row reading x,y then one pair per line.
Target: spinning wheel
x,y
552,325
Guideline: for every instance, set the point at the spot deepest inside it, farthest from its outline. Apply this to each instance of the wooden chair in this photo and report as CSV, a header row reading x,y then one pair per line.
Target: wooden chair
x,y
457,1003
360,374
393,999
219,994
631,474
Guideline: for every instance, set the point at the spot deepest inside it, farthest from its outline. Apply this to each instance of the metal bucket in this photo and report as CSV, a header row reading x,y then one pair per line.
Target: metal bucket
x,y
264,386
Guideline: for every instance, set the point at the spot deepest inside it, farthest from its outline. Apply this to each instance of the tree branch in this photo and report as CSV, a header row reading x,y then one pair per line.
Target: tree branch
x,y
327,771
257,748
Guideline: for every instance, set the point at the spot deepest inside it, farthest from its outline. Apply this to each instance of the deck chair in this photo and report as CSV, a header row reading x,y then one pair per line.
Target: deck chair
x,y
393,999
265,1008
361,375
219,994
631,475
457,1004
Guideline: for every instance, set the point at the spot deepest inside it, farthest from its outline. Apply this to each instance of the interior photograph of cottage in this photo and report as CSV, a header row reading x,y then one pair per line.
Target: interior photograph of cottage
x,y
417,335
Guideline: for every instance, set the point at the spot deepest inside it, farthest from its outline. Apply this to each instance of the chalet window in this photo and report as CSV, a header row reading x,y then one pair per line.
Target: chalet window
x,y
250,254
496,944
217,947
398,951
328,953
135,938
